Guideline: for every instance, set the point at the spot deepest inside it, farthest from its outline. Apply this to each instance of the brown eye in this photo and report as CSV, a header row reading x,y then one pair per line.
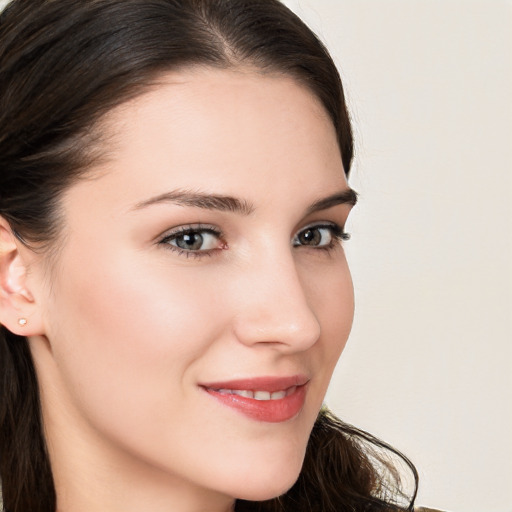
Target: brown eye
x,y
316,236
323,236
193,240
310,236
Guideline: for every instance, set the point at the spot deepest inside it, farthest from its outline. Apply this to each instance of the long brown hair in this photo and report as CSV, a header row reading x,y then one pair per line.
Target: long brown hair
x,y
63,65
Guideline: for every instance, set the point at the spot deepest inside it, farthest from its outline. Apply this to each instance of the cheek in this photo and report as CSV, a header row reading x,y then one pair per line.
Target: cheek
x,y
128,334
331,296
339,311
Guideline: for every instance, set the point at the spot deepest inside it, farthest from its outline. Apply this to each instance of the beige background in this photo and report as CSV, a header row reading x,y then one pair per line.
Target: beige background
x,y
429,364
428,367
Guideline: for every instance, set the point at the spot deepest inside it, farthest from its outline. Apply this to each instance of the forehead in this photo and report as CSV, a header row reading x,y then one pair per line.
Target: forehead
x,y
209,128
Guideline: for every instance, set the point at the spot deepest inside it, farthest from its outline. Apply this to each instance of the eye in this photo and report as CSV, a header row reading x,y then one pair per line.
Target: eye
x,y
323,236
193,239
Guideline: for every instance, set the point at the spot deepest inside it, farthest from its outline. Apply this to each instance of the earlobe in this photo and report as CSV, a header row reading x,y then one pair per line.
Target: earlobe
x,y
18,308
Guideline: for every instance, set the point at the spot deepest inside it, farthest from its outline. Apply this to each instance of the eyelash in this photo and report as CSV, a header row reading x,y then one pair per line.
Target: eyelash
x,y
187,230
337,233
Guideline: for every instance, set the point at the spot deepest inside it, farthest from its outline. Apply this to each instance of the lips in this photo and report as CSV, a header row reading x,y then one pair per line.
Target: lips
x,y
267,399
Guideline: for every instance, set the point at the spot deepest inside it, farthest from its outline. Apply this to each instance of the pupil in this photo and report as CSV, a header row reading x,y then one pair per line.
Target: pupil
x,y
190,241
310,237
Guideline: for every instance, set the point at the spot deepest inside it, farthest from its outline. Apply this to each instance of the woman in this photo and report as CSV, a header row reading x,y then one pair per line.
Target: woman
x,y
175,294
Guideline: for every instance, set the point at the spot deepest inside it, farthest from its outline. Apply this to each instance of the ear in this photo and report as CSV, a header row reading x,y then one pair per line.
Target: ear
x,y
19,311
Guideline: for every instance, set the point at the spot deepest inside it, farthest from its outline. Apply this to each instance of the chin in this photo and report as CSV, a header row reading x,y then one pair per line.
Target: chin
x,y
269,484
267,492
268,468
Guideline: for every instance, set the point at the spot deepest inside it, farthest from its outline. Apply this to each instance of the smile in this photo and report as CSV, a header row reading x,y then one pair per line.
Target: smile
x,y
267,399
258,395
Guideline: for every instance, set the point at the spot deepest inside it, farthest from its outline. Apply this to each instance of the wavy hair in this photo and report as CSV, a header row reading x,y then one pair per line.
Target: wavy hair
x,y
64,64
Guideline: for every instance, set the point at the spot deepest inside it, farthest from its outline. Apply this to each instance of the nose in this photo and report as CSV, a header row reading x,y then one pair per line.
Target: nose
x,y
272,306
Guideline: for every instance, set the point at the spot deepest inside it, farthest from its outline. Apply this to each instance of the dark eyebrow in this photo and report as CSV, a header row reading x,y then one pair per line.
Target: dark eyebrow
x,y
347,196
200,200
232,204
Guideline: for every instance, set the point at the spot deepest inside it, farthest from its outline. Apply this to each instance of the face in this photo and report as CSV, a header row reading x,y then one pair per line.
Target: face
x,y
204,257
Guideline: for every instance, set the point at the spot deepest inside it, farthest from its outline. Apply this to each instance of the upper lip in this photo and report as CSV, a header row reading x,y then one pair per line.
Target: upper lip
x,y
270,384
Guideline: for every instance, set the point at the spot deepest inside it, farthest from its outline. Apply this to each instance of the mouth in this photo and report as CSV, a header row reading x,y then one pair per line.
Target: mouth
x,y
266,399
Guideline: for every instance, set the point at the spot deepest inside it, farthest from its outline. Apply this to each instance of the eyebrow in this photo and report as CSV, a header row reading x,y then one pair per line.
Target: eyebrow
x,y
232,204
347,196
200,200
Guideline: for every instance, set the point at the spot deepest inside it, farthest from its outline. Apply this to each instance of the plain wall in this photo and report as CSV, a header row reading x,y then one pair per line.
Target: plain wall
x,y
428,366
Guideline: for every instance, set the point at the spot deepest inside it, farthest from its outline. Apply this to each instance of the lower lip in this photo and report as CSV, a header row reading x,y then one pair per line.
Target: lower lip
x,y
270,411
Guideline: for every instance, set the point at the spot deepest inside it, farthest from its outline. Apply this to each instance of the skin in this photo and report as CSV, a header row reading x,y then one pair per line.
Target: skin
x,y
123,328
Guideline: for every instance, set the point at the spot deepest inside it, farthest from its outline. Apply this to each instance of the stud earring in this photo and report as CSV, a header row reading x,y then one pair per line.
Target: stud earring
x,y
22,321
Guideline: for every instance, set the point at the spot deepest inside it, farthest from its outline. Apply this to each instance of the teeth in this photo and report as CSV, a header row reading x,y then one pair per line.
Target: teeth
x,y
243,392
258,395
261,395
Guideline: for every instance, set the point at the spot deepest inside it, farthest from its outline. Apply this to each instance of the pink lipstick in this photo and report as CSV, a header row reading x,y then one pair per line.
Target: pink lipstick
x,y
268,399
